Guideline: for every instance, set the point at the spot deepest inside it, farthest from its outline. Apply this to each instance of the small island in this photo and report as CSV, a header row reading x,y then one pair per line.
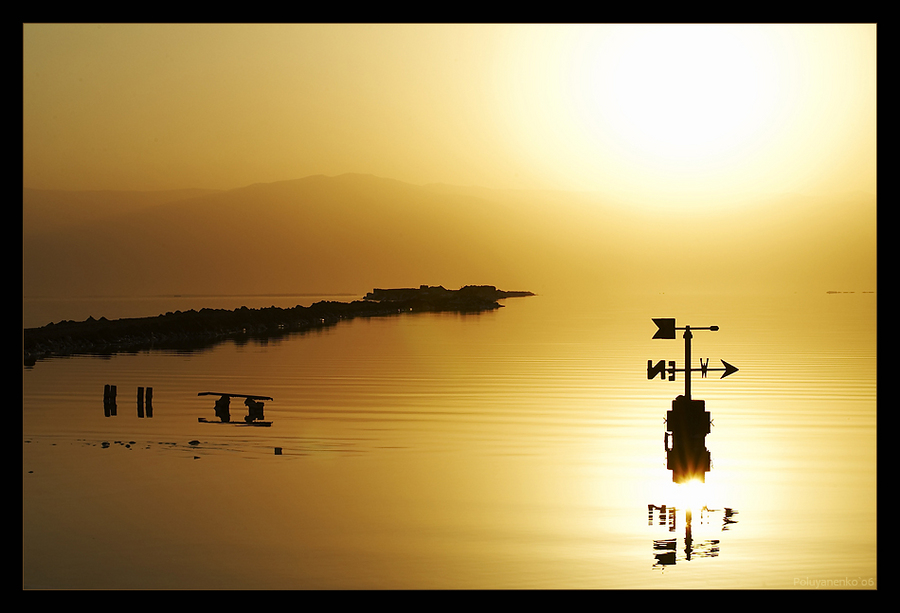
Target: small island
x,y
192,330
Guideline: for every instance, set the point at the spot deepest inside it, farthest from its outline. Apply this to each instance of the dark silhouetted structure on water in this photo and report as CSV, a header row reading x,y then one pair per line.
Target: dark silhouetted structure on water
x,y
688,422
190,330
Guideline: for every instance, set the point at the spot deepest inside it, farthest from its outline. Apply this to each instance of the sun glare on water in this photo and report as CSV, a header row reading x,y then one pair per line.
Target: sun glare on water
x,y
692,495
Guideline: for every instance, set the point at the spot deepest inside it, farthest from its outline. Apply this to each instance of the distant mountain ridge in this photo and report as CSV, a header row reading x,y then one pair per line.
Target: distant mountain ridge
x,y
46,209
351,232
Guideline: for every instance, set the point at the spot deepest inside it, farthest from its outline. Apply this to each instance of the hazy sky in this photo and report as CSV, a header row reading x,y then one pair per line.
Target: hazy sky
x,y
675,113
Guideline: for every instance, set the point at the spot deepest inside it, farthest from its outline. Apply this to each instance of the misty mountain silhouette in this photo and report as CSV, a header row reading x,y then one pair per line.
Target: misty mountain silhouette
x,y
352,232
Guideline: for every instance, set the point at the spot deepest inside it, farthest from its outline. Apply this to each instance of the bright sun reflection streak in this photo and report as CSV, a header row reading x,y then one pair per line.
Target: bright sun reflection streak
x,y
693,496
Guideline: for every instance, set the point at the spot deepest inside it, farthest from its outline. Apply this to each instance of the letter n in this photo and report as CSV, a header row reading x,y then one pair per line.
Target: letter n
x,y
656,369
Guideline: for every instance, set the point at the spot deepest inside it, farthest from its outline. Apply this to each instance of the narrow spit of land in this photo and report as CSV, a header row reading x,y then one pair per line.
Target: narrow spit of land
x,y
192,330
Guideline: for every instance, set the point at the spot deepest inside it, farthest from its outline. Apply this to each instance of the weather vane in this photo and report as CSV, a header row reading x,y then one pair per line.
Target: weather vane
x,y
688,422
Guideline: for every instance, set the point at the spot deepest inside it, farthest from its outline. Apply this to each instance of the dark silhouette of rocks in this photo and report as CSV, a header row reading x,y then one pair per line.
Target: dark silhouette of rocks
x,y
193,330
465,297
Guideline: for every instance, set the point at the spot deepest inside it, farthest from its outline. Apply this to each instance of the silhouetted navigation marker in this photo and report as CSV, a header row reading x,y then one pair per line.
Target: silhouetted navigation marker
x,y
688,422
666,330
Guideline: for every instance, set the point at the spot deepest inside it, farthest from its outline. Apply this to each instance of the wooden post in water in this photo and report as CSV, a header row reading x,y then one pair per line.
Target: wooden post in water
x,y
106,400
112,400
140,402
148,398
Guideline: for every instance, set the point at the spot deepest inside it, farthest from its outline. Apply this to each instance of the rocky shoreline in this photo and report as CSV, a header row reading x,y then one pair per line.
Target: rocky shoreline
x,y
193,330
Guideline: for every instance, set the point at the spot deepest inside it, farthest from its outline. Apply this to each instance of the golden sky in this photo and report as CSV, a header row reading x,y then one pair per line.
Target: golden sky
x,y
662,113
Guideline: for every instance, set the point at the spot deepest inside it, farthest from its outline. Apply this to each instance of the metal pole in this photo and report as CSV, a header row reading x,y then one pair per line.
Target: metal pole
x,y
687,362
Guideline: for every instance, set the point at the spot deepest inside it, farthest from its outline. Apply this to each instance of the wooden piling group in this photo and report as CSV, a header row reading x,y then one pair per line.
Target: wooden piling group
x,y
109,400
144,401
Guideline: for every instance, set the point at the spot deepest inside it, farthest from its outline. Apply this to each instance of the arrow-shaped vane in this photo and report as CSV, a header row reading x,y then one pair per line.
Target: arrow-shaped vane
x,y
729,369
660,368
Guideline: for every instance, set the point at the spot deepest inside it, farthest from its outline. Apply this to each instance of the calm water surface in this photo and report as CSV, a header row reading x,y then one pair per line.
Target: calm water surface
x,y
521,448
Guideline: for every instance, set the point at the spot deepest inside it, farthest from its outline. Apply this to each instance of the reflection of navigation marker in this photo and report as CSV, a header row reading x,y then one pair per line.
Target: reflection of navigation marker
x,y
688,422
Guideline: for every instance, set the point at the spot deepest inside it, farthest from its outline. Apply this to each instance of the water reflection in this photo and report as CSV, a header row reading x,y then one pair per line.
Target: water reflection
x,y
666,551
513,449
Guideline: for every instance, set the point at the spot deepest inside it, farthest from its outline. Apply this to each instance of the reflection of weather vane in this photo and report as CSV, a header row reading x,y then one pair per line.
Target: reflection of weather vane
x,y
688,422
665,551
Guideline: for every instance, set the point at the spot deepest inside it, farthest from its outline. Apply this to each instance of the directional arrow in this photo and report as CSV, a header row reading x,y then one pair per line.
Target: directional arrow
x,y
660,368
728,369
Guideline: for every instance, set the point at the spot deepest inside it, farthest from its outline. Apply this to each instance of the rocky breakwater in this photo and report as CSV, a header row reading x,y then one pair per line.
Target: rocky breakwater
x,y
192,330
436,297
